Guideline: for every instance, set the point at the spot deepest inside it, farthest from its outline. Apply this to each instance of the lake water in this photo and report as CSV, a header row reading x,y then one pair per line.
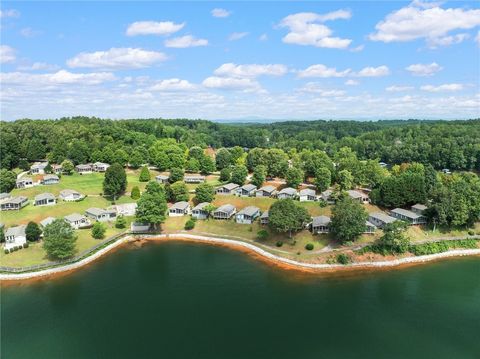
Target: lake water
x,y
180,300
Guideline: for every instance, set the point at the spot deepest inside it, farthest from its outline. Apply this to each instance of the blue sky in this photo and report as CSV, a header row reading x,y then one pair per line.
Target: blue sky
x,y
233,60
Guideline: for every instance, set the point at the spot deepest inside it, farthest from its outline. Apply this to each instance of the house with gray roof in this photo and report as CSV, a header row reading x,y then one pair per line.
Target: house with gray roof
x,y
100,214
15,237
57,169
24,182
199,211
46,221
264,218
5,195
84,168
161,178
179,209
320,224
370,228
193,179
13,203
359,196
50,179
70,195
419,208
327,196
45,199
227,189
100,167
246,190
137,227
380,219
77,221
408,216
38,168
247,215
307,195
224,212
287,192
266,191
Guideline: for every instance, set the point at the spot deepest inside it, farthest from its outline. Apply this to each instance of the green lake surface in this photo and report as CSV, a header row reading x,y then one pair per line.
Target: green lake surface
x,y
181,300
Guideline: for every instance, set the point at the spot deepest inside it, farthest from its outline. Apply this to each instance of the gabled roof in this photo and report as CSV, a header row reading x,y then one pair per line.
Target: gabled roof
x,y
368,224
180,205
16,231
98,164
87,165
15,200
45,222
162,177
50,177
264,215
406,213
96,211
249,187
230,186
67,192
356,194
227,208
380,216
40,165
268,189
200,206
74,217
419,206
307,192
320,221
249,211
5,195
24,179
193,177
45,195
288,190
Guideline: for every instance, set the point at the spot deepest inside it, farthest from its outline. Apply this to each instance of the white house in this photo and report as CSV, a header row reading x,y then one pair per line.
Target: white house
x,y
247,215
359,196
45,199
77,220
199,211
229,188
161,179
57,169
13,203
50,179
100,166
5,195
137,227
370,228
380,219
224,212
193,179
409,216
327,196
179,209
266,191
38,168
70,195
419,208
24,182
84,169
307,194
320,224
287,192
125,209
15,236
100,215
264,218
247,190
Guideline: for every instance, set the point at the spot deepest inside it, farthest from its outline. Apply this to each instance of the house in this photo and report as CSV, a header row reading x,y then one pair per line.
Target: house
x,y
380,219
193,179
287,192
327,196
44,199
13,203
70,195
383,164
161,179
247,190
264,218
409,216
45,222
24,182
359,196
50,179
266,191
199,211
38,168
100,215
228,188
307,194
125,209
77,220
179,209
247,215
370,228
100,166
57,169
5,195
224,212
419,208
84,169
137,227
15,236
320,224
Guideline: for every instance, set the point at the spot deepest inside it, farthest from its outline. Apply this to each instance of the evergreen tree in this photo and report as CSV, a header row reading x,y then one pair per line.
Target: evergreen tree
x,y
144,174
135,194
33,232
120,222
115,181
98,230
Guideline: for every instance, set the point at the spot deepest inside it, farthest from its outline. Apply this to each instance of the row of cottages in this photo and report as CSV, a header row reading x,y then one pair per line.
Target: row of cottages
x,y
9,203
92,167
414,216
77,221
179,209
100,215
70,195
321,225
45,199
15,236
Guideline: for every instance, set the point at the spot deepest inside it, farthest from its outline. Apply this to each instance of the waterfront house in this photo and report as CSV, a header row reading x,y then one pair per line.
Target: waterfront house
x,y
247,190
359,196
224,212
77,220
100,215
15,236
125,209
199,211
50,179
24,182
370,228
409,216
226,189
70,195
264,218
84,169
57,169
320,224
179,209
100,166
327,196
44,199
161,179
193,179
307,194
287,192
45,222
38,168
247,215
137,227
266,191
419,208
380,219
13,203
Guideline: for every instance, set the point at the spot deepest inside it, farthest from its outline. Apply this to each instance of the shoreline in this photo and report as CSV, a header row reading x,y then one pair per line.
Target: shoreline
x,y
248,248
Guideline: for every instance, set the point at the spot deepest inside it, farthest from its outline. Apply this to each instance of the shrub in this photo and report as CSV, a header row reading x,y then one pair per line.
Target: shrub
x,y
279,244
322,203
262,235
342,258
98,230
471,232
135,194
190,224
25,245
309,246
7,251
120,222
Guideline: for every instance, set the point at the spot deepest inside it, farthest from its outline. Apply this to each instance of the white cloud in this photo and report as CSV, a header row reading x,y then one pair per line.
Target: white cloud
x,y
237,36
231,83
307,28
316,88
358,48
57,78
373,71
28,32
173,85
442,88
477,38
153,28
447,40
220,13
185,41
396,88
37,66
429,21
7,54
320,70
250,70
424,69
263,37
117,58
351,82
9,13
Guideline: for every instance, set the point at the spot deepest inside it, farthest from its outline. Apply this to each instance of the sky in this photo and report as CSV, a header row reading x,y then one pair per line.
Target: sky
x,y
240,60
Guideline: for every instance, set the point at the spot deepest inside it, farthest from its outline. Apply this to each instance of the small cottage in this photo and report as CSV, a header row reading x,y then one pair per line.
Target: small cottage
x,y
307,195
320,224
408,216
125,209
137,227
38,168
45,222
247,215
100,166
264,218
15,236
161,179
224,212
370,228
50,179
199,211
327,196
44,199
266,191
247,190
24,182
419,208
193,179
359,196
227,189
84,169
57,169
179,209
77,220
70,195
100,215
287,192
13,203
380,219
